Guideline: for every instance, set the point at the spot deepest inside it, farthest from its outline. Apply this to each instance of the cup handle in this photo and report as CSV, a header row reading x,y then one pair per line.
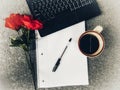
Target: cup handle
x,y
98,29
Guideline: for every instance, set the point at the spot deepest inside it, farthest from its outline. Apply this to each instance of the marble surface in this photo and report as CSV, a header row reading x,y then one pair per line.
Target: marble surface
x,y
104,70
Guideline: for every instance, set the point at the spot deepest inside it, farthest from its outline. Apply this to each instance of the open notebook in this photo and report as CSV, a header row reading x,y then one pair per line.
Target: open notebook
x,y
73,69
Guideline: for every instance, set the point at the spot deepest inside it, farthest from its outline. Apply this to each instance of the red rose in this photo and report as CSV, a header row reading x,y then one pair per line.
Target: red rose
x,y
14,21
31,24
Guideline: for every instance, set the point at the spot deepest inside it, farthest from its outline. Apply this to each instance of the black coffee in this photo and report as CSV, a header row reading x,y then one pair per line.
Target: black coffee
x,y
89,44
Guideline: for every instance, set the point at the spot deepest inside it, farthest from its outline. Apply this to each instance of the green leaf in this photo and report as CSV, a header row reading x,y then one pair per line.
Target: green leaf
x,y
25,47
17,41
23,40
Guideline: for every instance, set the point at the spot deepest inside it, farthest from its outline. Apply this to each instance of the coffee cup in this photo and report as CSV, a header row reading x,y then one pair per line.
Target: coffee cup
x,y
91,43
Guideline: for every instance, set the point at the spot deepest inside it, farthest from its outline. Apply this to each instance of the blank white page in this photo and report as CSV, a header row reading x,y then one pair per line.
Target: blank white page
x,y
73,69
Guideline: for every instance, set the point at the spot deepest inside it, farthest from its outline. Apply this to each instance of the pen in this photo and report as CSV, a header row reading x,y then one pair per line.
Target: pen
x,y
59,59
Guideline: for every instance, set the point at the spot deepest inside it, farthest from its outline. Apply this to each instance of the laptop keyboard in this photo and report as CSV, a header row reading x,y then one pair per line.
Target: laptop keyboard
x,y
49,9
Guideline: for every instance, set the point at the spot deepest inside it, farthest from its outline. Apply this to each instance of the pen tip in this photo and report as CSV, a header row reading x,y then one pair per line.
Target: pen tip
x,y
70,39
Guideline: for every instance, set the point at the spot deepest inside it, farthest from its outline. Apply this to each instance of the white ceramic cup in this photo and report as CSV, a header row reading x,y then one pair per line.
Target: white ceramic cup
x,y
96,33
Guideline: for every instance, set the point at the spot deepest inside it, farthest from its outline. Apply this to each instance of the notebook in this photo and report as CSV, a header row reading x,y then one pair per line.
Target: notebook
x,y
58,14
73,69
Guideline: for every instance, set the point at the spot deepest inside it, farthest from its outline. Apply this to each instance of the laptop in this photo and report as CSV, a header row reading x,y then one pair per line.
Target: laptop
x,y
59,14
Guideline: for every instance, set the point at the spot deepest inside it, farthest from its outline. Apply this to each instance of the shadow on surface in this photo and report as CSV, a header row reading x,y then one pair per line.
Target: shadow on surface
x,y
20,74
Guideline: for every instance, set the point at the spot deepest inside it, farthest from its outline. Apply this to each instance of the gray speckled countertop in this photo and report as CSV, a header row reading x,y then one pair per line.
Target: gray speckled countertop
x,y
104,71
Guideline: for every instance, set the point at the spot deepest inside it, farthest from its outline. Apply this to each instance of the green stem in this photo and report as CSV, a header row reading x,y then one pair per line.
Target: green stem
x,y
28,58
28,36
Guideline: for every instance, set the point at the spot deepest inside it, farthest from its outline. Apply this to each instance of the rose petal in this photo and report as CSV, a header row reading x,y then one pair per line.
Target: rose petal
x,y
14,21
31,24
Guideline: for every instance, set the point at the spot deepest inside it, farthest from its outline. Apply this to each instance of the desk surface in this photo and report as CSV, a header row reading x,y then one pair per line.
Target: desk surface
x,y
104,71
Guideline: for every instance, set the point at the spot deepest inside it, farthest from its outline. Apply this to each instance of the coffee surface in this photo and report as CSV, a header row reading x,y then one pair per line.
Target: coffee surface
x,y
89,44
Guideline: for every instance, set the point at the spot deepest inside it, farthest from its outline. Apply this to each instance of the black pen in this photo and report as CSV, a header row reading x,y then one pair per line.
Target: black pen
x,y
59,59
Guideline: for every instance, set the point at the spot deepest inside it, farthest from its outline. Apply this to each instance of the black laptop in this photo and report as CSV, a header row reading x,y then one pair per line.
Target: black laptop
x,y
58,14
